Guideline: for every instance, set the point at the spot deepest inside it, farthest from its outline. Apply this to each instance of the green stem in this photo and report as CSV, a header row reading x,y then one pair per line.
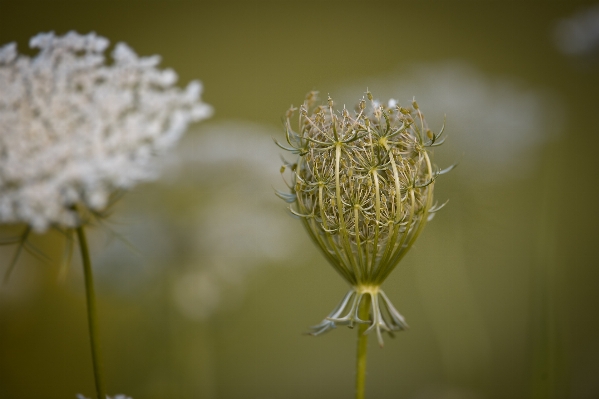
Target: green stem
x,y
363,314
92,315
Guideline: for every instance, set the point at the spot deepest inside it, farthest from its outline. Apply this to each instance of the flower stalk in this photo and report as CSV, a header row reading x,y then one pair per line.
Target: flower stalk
x,y
362,349
92,313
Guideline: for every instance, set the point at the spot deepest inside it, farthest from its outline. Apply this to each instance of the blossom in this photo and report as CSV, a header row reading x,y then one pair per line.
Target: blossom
x,y
76,127
363,188
118,396
209,244
578,35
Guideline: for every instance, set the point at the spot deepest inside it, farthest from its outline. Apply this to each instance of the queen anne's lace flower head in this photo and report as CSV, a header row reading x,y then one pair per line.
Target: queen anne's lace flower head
x,y
363,188
74,128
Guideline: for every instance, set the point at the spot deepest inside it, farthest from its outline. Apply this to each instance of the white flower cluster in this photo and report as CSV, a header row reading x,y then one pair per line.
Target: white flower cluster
x,y
119,396
75,128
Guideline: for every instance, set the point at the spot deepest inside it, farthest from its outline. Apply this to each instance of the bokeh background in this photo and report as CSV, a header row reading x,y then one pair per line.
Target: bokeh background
x,y
205,284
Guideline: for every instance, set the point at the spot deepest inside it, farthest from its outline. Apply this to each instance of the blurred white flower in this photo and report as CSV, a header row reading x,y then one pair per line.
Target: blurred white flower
x,y
226,228
578,35
497,123
237,231
119,396
75,128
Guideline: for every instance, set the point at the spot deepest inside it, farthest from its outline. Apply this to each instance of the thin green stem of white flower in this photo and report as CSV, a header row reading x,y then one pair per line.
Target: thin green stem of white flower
x,y
362,348
92,314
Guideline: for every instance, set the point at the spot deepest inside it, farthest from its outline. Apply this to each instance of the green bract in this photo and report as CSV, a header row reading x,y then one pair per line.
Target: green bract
x,y
363,188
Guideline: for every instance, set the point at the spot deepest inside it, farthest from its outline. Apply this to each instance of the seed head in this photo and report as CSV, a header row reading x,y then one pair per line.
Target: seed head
x,y
365,192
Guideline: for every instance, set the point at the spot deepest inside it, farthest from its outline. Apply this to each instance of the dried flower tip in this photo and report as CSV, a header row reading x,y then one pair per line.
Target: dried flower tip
x,y
311,96
290,112
369,95
345,112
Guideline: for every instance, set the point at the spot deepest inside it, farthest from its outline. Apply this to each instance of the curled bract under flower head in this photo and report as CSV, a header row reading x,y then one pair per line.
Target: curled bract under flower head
x,y
74,129
363,188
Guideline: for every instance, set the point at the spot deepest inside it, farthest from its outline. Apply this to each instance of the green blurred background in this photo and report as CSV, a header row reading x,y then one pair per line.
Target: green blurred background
x,y
205,284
